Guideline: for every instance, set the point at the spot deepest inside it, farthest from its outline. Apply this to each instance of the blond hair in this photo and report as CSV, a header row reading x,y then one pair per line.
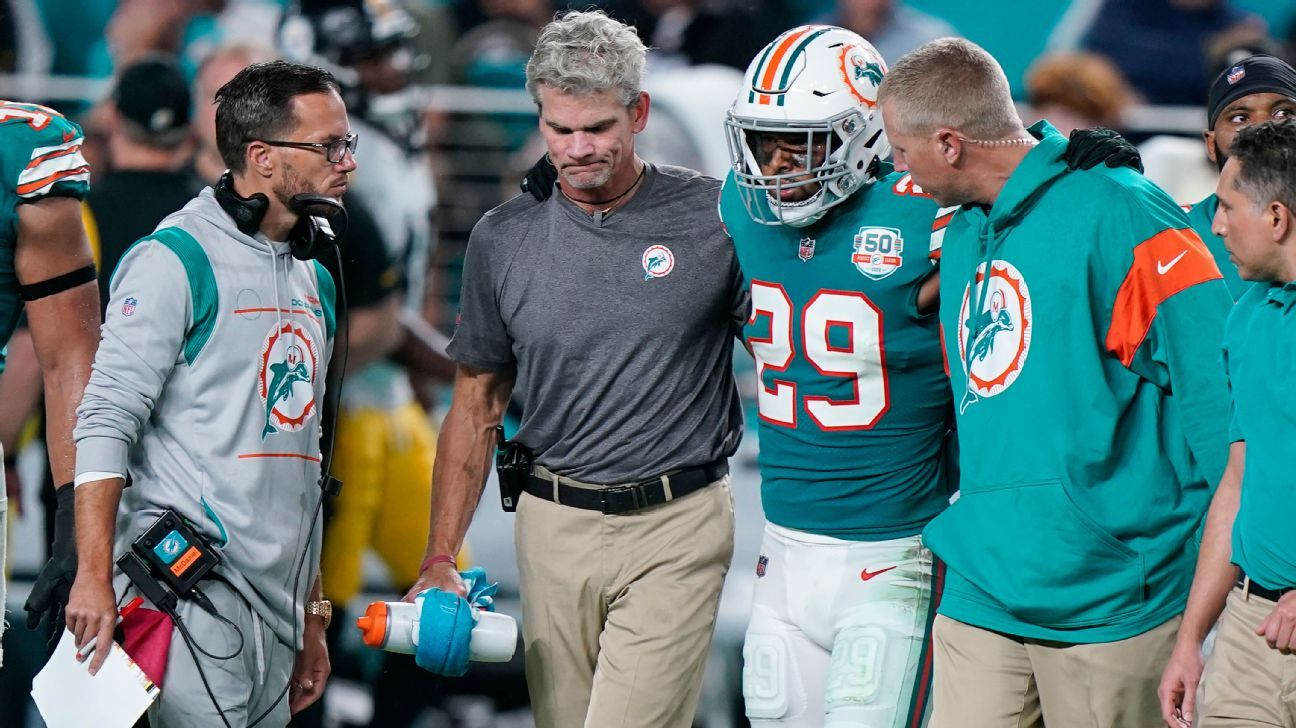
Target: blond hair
x,y
952,83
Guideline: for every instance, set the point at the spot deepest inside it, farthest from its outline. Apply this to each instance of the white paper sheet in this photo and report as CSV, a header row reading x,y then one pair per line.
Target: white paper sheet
x,y
69,697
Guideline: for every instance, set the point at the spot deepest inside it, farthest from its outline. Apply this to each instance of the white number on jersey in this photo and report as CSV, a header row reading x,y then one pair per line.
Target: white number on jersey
x,y
860,360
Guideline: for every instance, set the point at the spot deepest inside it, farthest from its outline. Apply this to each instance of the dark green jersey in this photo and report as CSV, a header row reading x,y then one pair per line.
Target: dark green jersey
x,y
854,402
40,156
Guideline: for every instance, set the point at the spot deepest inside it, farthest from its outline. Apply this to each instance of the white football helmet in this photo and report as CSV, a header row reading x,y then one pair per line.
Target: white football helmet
x,y
820,81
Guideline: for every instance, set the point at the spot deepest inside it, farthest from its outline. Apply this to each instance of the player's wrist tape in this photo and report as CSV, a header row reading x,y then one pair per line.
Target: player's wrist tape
x,y
435,559
57,284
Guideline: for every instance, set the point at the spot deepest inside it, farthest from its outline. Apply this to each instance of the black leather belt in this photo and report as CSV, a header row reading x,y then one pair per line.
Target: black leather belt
x,y
630,497
1251,588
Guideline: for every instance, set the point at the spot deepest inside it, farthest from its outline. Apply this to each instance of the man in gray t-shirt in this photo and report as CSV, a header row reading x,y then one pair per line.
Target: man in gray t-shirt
x,y
611,308
620,328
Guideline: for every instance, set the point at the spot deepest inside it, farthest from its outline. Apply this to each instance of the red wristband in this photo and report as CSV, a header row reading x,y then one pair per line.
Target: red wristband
x,y
435,559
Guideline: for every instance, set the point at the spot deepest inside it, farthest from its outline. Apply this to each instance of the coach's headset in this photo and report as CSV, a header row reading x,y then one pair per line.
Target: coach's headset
x,y
310,239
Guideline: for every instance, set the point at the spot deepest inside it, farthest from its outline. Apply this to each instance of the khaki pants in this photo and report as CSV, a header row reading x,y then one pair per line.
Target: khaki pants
x,y
985,679
1247,682
618,610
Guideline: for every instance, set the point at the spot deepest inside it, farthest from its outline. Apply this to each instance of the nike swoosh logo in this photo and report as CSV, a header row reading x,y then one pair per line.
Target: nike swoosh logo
x,y
1164,268
865,575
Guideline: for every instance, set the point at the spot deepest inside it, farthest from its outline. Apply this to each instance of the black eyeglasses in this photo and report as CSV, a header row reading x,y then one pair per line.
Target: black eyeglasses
x,y
334,151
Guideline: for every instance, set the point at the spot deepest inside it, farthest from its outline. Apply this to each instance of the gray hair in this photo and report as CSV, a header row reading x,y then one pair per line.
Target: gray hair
x,y
1266,155
586,52
952,83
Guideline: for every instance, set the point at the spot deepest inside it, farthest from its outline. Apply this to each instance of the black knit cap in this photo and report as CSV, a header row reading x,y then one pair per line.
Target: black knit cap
x,y
153,93
1255,75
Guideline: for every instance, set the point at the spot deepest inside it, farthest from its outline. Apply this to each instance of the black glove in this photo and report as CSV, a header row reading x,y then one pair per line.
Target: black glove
x,y
1090,147
49,595
539,180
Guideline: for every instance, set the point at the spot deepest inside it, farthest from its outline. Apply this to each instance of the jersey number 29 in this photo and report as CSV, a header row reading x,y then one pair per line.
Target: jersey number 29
x,y
860,360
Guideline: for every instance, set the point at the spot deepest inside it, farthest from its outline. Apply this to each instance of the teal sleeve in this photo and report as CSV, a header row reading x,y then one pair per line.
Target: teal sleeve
x,y
1184,343
42,155
1234,430
1171,280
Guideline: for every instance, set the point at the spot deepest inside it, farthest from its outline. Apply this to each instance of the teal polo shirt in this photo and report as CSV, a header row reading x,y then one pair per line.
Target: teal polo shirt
x,y
1260,358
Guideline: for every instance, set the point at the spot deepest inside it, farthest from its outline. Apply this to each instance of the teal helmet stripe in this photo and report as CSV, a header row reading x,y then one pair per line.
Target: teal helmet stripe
x,y
755,79
791,60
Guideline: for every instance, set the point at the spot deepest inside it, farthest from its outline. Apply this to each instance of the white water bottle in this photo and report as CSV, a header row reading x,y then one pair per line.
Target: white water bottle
x,y
394,626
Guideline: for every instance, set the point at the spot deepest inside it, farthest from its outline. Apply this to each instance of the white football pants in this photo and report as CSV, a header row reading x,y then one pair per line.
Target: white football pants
x,y
840,633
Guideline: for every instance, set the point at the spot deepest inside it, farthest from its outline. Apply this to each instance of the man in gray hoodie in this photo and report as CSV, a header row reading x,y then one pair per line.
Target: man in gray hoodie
x,y
207,391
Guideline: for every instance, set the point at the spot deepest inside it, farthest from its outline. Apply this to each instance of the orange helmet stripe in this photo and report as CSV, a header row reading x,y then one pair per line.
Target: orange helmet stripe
x,y
771,68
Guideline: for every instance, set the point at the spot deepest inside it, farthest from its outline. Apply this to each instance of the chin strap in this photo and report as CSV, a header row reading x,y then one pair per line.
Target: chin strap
x,y
776,202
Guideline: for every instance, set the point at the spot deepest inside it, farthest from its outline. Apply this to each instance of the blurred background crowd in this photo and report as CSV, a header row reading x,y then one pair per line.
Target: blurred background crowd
x,y
434,88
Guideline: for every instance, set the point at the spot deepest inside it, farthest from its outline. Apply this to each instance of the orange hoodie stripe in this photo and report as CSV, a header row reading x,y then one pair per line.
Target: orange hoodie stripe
x,y
1164,264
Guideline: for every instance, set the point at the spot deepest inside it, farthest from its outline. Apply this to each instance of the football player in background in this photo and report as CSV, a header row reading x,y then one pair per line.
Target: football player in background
x,y
1255,89
47,270
840,253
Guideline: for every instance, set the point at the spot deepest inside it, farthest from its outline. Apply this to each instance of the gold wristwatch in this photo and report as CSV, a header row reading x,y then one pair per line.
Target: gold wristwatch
x,y
323,609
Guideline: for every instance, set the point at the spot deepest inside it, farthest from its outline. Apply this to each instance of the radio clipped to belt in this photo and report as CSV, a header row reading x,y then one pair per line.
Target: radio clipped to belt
x,y
173,552
513,462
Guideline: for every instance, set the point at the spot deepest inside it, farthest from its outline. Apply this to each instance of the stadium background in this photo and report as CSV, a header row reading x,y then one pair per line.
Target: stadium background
x,y
478,129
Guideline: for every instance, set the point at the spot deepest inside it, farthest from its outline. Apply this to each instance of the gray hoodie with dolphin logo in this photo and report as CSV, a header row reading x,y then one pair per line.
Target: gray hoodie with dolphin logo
x,y
207,389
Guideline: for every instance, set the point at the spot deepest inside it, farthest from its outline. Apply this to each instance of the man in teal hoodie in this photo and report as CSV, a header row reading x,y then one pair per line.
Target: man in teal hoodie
x,y
1081,318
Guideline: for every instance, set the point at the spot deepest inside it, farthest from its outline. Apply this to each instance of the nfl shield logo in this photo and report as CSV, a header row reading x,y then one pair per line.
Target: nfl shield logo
x,y
761,563
1235,74
128,306
806,251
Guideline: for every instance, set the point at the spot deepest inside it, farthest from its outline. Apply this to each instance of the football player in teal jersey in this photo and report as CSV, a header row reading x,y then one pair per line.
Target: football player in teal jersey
x,y
1255,89
839,253
46,269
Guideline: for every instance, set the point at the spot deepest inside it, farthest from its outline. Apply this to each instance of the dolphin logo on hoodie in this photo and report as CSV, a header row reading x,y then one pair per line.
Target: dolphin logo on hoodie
x,y
288,362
